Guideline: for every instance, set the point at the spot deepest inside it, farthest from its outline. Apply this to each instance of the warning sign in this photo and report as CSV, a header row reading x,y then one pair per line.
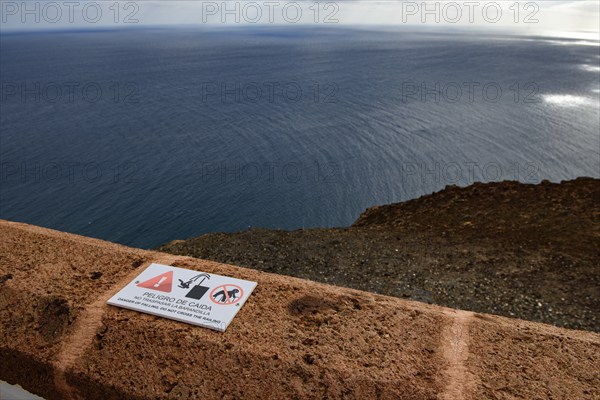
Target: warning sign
x,y
203,299
163,282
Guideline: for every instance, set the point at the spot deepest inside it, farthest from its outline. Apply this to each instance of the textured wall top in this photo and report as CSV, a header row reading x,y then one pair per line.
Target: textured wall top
x,y
292,339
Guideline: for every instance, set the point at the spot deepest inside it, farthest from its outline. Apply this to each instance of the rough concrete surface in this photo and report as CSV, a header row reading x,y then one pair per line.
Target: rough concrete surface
x,y
292,339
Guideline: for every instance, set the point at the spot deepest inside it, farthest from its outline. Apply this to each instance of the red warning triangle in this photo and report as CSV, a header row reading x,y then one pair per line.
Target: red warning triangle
x,y
163,282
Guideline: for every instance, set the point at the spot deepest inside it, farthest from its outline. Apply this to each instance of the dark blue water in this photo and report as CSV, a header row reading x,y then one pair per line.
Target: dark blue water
x,y
129,136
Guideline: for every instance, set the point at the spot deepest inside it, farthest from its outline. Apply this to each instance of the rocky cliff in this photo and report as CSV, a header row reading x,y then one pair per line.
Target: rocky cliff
x,y
506,248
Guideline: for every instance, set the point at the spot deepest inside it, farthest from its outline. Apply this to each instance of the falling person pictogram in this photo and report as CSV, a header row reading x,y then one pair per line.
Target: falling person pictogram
x,y
198,290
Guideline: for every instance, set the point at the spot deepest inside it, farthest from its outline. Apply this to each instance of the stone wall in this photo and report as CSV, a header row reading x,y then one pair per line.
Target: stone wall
x,y
293,339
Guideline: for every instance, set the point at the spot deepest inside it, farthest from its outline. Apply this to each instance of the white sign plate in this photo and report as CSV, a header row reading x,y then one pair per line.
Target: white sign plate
x,y
194,297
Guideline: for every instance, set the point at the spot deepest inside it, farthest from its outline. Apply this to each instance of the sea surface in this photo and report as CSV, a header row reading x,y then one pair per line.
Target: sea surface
x,y
145,136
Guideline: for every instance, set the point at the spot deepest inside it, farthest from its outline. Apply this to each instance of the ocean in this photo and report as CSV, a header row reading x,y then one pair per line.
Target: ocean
x,y
144,136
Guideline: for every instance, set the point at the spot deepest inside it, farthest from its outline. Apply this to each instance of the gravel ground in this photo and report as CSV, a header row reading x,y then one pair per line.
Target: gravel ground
x,y
524,251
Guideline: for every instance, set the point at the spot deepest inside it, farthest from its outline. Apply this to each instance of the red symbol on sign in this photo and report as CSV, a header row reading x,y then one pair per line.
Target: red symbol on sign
x,y
163,282
226,294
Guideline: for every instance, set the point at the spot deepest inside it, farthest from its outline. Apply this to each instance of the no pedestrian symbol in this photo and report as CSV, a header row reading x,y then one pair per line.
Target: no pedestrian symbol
x,y
226,294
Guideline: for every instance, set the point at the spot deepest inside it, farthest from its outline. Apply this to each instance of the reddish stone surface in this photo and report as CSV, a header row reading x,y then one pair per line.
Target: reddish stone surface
x,y
292,339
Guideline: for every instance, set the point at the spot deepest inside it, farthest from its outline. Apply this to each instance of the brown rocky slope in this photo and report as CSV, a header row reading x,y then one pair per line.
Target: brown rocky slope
x,y
506,248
